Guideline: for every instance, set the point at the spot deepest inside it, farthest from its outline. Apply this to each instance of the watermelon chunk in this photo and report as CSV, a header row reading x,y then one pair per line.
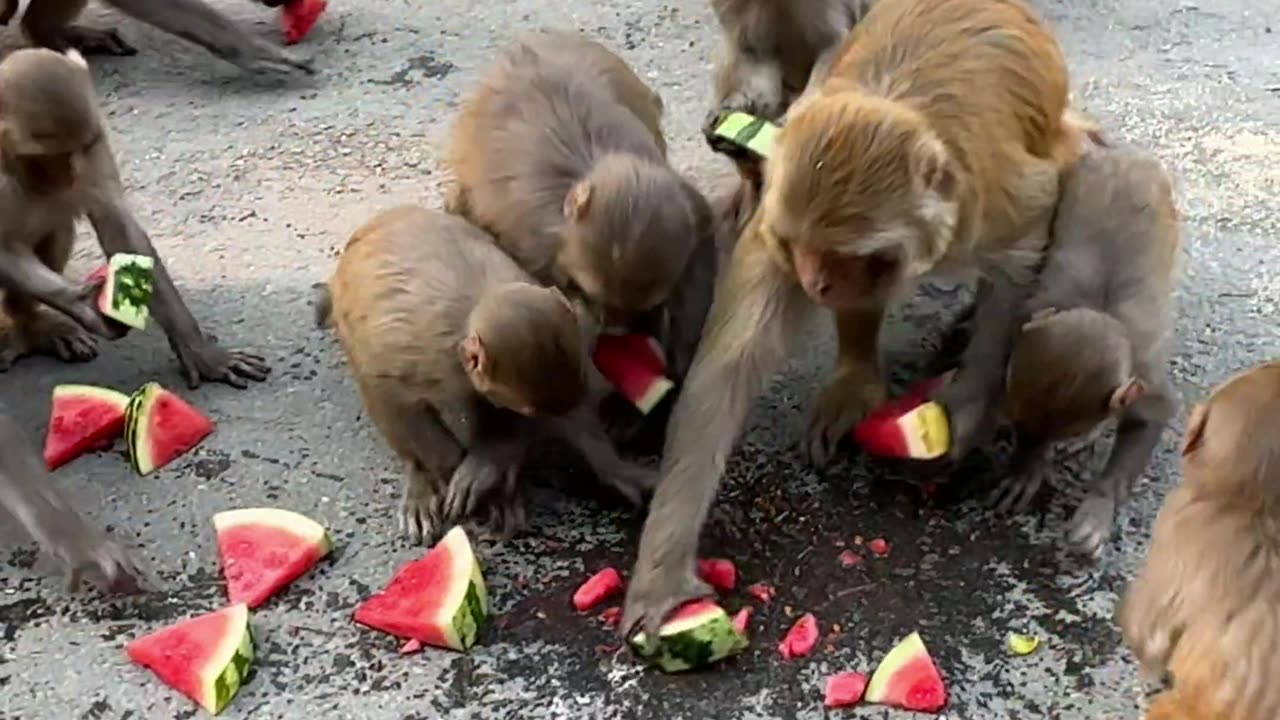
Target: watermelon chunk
x,y
911,426
205,658
764,592
635,367
845,689
849,559
697,634
264,549
160,427
879,546
908,678
439,600
611,616
128,281
801,639
298,17
719,573
598,588
82,418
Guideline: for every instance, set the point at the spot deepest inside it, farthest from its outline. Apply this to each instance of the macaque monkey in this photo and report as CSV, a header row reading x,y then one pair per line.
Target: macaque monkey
x,y
462,361
934,144
1096,342
48,24
56,164
1204,608
772,51
560,155
29,497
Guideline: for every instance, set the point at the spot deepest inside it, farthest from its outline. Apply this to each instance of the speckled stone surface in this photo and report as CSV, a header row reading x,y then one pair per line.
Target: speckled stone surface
x,y
248,192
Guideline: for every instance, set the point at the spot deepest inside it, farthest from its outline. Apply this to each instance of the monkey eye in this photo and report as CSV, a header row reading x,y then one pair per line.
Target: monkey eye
x,y
881,264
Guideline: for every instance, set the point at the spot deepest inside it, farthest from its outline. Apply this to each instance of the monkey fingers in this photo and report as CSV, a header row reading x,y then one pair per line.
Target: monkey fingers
x,y
970,404
1015,493
94,41
212,362
657,591
420,506
480,478
501,518
109,569
45,332
844,401
1092,525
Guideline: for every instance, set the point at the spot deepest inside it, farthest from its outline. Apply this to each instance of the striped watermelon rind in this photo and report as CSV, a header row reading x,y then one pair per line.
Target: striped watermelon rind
x,y
140,415
211,681
696,635
290,544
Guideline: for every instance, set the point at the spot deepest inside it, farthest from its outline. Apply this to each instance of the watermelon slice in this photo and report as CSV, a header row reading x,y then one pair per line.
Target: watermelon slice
x,y
160,427
264,549
205,658
719,573
801,639
697,634
911,426
298,17
598,588
82,418
908,678
845,689
634,365
128,281
439,600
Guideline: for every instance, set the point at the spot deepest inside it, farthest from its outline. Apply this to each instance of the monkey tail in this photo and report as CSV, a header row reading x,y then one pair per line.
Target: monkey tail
x,y
322,304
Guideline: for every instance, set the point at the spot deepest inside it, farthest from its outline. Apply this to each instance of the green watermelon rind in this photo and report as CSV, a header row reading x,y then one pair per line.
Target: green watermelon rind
x,y
692,642
227,683
222,675
136,416
126,294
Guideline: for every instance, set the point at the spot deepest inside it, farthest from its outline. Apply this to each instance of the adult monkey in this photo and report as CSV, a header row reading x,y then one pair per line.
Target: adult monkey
x,y
935,142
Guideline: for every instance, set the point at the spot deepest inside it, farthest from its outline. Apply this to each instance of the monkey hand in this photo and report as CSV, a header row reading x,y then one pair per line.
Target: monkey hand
x,y
477,480
633,481
85,554
844,401
207,360
969,403
263,58
658,589
1015,493
1092,525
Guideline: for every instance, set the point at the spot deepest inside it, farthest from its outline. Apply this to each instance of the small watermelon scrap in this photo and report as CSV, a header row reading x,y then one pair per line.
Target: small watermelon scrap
x,y
879,546
845,689
264,549
160,427
907,678
801,639
611,616
598,588
719,573
412,647
298,17
634,366
205,658
439,600
82,418
128,281
742,619
764,592
849,558
911,426
696,635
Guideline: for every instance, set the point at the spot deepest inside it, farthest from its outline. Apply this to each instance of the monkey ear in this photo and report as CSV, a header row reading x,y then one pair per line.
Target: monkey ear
x,y
474,357
1195,429
578,201
1127,394
933,168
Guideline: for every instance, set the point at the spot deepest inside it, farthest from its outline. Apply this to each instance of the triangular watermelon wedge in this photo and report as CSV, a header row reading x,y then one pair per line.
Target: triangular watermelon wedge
x,y
297,17
160,427
439,600
82,418
264,549
907,678
205,658
634,365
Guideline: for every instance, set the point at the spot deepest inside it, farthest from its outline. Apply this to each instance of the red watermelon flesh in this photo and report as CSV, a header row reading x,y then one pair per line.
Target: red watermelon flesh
x,y
82,418
634,367
264,549
742,620
160,427
801,639
907,678
909,426
205,658
845,689
598,588
299,16
719,573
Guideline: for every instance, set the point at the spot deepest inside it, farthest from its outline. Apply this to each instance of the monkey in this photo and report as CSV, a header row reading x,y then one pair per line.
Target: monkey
x,y
56,164
934,144
1204,604
1095,344
48,24
29,497
462,360
559,154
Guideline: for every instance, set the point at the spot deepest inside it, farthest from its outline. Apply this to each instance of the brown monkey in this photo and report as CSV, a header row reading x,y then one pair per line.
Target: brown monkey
x,y
48,23
56,164
29,497
935,143
461,360
8,8
1204,607
1096,344
772,51
559,154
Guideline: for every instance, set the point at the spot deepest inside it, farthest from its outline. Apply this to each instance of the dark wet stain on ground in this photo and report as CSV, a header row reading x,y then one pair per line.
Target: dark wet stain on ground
x,y
426,66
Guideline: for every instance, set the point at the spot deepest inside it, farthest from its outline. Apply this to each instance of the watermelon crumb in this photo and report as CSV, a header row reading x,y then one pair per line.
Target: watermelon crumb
x,y
298,17
849,558
801,638
719,573
879,546
82,418
412,647
907,678
764,592
742,619
634,367
845,689
611,616
1021,645
598,588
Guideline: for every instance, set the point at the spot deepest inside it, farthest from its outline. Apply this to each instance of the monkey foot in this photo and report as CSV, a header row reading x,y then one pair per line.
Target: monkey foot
x,y
842,403
46,333
500,520
1091,527
94,41
476,483
1015,493
420,512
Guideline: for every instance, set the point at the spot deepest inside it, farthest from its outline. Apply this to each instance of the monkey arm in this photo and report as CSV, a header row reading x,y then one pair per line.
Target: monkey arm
x,y
582,430
22,272
689,304
1137,435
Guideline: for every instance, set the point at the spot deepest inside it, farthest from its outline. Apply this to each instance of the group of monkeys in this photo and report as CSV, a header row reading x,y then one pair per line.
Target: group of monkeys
x,y
918,138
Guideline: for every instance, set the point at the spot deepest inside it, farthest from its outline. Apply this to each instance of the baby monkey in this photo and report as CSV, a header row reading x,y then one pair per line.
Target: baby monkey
x,y
1204,607
1096,345
462,361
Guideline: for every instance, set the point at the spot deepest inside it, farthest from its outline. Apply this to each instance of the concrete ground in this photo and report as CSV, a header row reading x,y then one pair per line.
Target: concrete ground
x,y
249,191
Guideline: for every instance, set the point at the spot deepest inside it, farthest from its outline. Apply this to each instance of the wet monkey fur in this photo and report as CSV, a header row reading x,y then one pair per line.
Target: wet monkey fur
x,y
1204,607
1097,336
462,361
934,144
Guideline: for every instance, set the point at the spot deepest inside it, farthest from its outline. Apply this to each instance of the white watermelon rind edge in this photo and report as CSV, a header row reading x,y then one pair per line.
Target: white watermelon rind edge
x,y
910,646
97,392
295,523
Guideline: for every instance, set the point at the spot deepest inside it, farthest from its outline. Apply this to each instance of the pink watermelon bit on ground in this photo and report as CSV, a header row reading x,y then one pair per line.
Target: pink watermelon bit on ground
x,y
298,17
633,365
849,558
764,592
908,678
742,619
439,600
412,647
879,546
264,549
911,426
845,689
82,418
598,588
801,639
160,427
611,616
719,573
205,658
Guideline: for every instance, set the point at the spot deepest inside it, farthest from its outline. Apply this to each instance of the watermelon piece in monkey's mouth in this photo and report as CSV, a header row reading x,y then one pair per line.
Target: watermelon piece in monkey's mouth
x,y
128,282
83,418
911,426
298,17
634,365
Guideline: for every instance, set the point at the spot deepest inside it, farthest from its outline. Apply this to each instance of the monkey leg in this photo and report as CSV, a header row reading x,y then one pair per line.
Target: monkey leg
x,y
38,330
858,384
48,23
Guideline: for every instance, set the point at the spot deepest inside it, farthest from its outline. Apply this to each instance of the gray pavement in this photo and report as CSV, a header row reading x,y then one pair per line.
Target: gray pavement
x,y
249,191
